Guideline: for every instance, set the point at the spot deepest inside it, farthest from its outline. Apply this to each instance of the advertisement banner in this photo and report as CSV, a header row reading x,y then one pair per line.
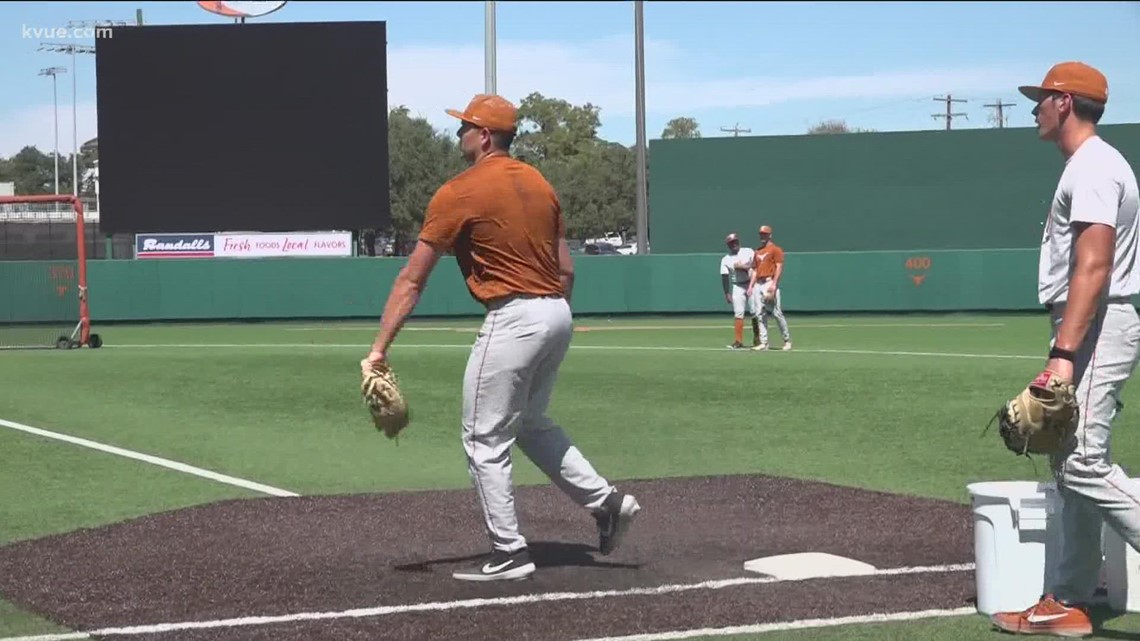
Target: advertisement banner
x,y
174,246
271,245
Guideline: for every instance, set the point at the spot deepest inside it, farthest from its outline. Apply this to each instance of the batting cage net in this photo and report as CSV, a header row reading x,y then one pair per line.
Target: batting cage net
x,y
43,274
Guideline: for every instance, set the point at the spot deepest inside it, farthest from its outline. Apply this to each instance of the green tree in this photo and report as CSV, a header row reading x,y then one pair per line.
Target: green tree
x,y
33,172
421,159
836,127
596,188
683,127
594,178
551,128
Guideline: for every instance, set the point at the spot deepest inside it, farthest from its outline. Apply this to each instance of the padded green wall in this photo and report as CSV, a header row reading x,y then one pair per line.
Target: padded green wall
x,y
38,291
152,290
968,189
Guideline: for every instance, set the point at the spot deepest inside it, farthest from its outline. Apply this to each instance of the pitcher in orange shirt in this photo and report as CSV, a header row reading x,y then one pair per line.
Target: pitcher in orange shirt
x,y
503,221
768,268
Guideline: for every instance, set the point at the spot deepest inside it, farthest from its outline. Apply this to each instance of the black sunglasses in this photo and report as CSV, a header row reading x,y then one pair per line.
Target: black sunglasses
x,y
464,128
1052,95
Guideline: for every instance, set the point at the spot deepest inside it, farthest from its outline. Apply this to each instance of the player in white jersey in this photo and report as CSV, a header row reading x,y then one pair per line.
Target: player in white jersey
x,y
1087,276
735,272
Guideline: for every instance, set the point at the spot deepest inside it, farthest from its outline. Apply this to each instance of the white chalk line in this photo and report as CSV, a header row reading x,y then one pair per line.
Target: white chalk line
x,y
804,624
147,458
444,606
588,327
609,348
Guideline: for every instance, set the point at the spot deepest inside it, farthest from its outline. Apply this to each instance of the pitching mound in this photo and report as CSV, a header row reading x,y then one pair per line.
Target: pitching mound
x,y
292,557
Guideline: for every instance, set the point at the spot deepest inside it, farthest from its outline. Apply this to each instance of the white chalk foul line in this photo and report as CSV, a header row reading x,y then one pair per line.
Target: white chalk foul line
x,y
444,606
147,458
603,326
608,348
805,624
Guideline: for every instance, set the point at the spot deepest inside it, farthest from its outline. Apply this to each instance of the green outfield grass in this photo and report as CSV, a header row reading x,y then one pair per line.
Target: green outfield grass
x,y
894,403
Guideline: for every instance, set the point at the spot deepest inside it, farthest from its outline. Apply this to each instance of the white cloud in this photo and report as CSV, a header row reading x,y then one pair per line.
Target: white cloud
x,y
431,79
762,92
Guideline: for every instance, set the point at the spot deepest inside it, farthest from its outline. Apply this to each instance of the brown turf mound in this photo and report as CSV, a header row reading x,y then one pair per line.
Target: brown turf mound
x,y
279,556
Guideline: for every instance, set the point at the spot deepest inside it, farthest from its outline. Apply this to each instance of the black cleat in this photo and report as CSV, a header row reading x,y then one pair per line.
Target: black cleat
x,y
500,566
614,519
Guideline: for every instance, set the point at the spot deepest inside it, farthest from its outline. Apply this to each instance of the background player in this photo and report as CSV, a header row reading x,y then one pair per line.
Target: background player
x,y
735,272
767,268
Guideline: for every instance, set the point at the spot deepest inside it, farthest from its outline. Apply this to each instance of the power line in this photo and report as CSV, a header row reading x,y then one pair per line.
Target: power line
x,y
949,115
736,130
1000,117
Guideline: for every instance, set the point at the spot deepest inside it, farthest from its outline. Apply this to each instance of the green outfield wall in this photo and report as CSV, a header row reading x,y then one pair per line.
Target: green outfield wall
x,y
168,290
967,189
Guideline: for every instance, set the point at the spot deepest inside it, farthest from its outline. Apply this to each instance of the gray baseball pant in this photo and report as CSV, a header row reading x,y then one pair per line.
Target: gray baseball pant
x,y
773,309
1094,491
506,391
743,304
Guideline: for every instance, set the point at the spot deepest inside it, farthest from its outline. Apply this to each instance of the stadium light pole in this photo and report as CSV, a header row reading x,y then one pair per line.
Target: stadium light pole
x,y
53,72
489,46
642,181
72,49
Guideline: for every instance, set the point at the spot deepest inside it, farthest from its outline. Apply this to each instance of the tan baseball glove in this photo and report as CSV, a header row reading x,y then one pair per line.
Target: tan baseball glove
x,y
1041,418
381,393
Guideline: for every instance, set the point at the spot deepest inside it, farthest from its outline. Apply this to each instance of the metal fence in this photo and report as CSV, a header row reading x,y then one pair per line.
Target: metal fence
x,y
46,231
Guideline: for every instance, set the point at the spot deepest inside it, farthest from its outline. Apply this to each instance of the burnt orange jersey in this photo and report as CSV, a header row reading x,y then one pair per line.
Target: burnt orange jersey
x,y
504,221
765,260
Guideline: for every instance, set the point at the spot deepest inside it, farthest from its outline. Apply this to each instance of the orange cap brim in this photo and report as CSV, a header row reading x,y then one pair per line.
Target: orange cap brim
x,y
455,114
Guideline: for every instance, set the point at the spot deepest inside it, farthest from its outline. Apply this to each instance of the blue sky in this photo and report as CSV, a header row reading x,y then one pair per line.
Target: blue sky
x,y
773,68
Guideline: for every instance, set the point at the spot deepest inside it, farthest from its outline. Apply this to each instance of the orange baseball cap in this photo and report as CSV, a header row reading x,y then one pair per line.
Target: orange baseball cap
x,y
1075,78
489,111
731,238
764,229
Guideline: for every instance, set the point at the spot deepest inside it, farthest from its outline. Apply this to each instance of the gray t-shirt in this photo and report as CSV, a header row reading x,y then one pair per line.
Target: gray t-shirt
x,y
737,275
1097,186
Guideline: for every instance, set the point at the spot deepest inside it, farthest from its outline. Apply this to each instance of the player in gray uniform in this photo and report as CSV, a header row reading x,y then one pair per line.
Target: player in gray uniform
x,y
503,222
735,271
1087,275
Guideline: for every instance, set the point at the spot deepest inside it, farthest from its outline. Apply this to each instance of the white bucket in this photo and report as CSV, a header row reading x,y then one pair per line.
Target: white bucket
x,y
1010,520
1122,573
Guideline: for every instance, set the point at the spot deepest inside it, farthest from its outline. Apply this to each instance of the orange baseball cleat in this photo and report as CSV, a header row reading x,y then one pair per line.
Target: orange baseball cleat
x,y
1048,617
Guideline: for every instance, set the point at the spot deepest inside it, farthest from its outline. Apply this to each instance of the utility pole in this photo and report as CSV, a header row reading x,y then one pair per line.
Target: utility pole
x,y
642,176
489,70
736,130
1000,116
949,115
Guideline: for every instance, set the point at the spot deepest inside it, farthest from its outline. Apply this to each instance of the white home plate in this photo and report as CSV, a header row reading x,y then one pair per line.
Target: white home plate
x,y
807,565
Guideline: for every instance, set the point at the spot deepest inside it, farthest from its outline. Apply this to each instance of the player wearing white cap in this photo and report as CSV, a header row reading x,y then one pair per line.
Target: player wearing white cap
x,y
735,272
